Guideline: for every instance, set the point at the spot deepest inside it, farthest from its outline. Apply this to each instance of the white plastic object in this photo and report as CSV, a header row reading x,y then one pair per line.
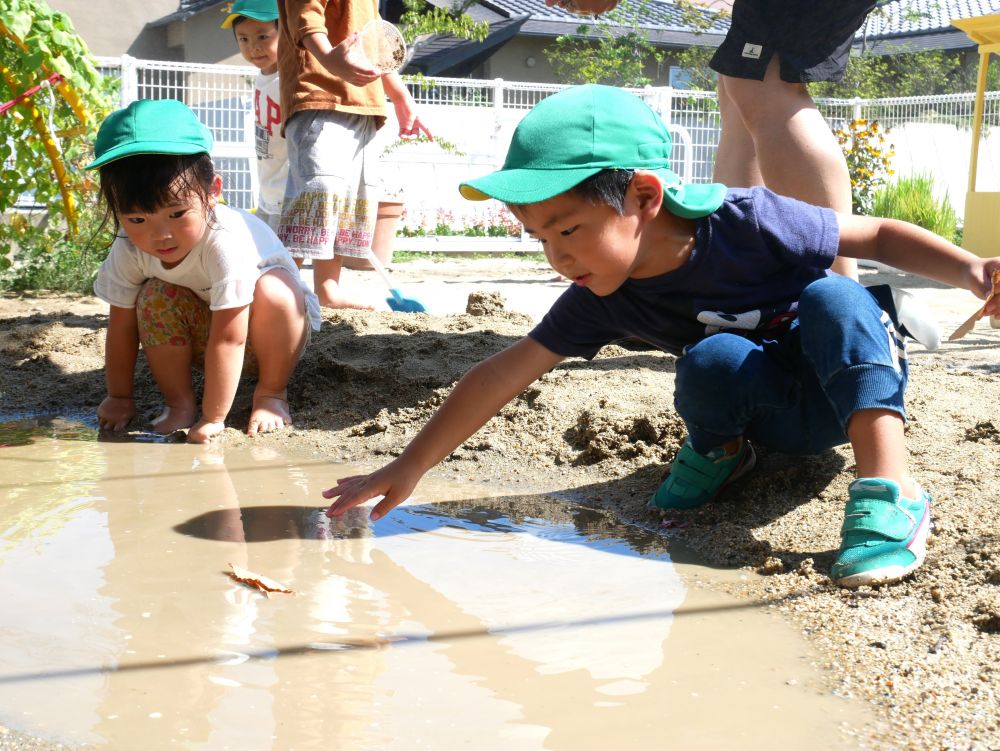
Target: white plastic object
x,y
383,45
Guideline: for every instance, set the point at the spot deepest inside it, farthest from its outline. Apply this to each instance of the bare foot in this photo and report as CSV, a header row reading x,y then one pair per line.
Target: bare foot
x,y
175,418
332,296
270,413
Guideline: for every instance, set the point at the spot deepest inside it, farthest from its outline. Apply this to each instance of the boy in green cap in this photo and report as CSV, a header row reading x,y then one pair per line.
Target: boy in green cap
x,y
255,26
771,346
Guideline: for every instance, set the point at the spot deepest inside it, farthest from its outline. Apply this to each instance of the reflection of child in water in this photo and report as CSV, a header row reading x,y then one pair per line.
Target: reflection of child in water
x,y
198,284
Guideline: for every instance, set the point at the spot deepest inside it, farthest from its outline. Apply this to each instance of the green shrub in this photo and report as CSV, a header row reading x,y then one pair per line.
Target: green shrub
x,y
47,226
912,199
46,257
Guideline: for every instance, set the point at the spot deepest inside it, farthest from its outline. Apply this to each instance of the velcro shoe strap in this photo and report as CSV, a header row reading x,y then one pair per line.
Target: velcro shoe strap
x,y
881,517
695,469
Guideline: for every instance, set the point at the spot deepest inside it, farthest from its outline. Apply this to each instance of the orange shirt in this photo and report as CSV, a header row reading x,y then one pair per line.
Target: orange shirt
x,y
307,85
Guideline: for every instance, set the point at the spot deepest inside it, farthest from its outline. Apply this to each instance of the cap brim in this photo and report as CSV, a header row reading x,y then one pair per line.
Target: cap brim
x,y
694,200
524,185
148,147
228,23
519,186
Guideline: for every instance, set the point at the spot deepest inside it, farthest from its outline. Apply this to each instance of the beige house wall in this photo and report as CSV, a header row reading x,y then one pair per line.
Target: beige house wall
x,y
523,59
122,28
119,28
204,42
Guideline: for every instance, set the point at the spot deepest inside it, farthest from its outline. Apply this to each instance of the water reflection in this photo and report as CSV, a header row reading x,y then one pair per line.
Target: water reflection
x,y
526,623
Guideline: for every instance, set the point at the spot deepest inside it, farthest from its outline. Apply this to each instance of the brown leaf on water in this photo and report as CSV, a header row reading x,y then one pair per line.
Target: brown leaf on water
x,y
256,581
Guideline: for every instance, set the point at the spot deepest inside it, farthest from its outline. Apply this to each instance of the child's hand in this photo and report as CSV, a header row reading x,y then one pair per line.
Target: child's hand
x,y
204,431
410,125
991,285
348,61
115,412
394,481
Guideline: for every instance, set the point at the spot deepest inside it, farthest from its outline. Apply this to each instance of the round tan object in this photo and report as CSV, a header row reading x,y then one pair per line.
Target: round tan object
x,y
383,45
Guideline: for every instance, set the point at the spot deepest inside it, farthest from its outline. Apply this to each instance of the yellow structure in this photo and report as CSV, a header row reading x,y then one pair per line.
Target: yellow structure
x,y
982,208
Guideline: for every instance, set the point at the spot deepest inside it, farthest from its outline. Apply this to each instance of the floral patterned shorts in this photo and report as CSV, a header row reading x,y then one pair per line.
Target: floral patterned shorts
x,y
176,316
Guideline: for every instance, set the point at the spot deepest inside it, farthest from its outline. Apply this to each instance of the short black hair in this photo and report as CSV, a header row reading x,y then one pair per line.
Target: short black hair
x,y
606,187
145,183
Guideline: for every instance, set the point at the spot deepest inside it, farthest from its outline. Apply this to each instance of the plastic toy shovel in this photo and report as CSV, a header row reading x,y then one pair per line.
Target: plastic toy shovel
x,y
396,300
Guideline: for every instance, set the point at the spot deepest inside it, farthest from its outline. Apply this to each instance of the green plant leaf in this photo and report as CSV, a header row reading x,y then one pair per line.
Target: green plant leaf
x,y
19,24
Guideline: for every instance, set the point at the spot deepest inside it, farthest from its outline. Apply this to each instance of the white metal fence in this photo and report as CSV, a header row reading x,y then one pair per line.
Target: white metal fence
x,y
931,135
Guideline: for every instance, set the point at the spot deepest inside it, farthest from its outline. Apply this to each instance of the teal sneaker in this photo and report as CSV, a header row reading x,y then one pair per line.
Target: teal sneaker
x,y
884,536
695,479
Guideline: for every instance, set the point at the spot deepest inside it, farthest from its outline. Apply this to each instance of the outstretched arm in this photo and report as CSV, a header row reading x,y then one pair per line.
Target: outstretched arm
x,y
477,397
120,352
227,340
911,248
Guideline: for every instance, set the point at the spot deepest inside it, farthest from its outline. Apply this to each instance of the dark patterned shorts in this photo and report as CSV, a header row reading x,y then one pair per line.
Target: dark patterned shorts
x,y
811,38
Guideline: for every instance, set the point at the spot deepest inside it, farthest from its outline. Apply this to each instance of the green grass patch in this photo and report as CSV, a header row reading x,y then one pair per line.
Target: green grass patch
x,y
912,200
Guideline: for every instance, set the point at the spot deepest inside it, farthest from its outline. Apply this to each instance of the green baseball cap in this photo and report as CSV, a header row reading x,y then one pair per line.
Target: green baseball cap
x,y
580,131
150,126
258,10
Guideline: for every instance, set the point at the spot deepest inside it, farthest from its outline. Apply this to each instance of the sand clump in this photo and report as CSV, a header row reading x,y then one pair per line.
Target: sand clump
x,y
924,653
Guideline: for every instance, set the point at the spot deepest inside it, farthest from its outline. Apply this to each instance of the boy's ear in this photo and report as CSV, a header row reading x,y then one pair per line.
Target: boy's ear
x,y
648,192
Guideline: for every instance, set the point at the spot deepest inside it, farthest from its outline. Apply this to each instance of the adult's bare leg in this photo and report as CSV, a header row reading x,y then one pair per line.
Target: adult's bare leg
x,y
797,153
736,158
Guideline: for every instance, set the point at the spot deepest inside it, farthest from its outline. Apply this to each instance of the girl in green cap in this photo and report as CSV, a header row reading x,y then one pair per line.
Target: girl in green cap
x,y
196,283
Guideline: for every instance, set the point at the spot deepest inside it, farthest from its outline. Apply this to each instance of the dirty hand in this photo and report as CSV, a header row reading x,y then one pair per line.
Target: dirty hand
x,y
989,286
115,412
348,61
204,431
394,482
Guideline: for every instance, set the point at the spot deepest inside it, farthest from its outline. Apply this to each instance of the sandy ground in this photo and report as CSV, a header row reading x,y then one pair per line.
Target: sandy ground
x,y
924,653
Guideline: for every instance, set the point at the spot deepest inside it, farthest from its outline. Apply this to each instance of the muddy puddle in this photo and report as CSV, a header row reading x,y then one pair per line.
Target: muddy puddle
x,y
458,621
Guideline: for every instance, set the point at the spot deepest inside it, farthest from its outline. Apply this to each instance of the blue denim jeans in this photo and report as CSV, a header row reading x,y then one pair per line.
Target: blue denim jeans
x,y
796,395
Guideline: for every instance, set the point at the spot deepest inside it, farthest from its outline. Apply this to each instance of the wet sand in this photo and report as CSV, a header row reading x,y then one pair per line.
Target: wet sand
x,y
922,653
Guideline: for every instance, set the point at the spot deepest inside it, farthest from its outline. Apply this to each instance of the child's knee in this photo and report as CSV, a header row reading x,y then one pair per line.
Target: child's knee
x,y
829,295
713,364
278,290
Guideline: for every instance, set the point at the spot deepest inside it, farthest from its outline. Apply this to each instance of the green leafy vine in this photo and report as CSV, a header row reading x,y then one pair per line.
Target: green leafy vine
x,y
45,136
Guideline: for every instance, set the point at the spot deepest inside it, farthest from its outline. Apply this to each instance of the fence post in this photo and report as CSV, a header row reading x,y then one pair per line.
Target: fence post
x,y
129,90
661,99
498,97
856,108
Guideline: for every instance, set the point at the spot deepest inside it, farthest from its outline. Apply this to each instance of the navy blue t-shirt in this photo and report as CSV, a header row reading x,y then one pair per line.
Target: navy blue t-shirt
x,y
750,262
